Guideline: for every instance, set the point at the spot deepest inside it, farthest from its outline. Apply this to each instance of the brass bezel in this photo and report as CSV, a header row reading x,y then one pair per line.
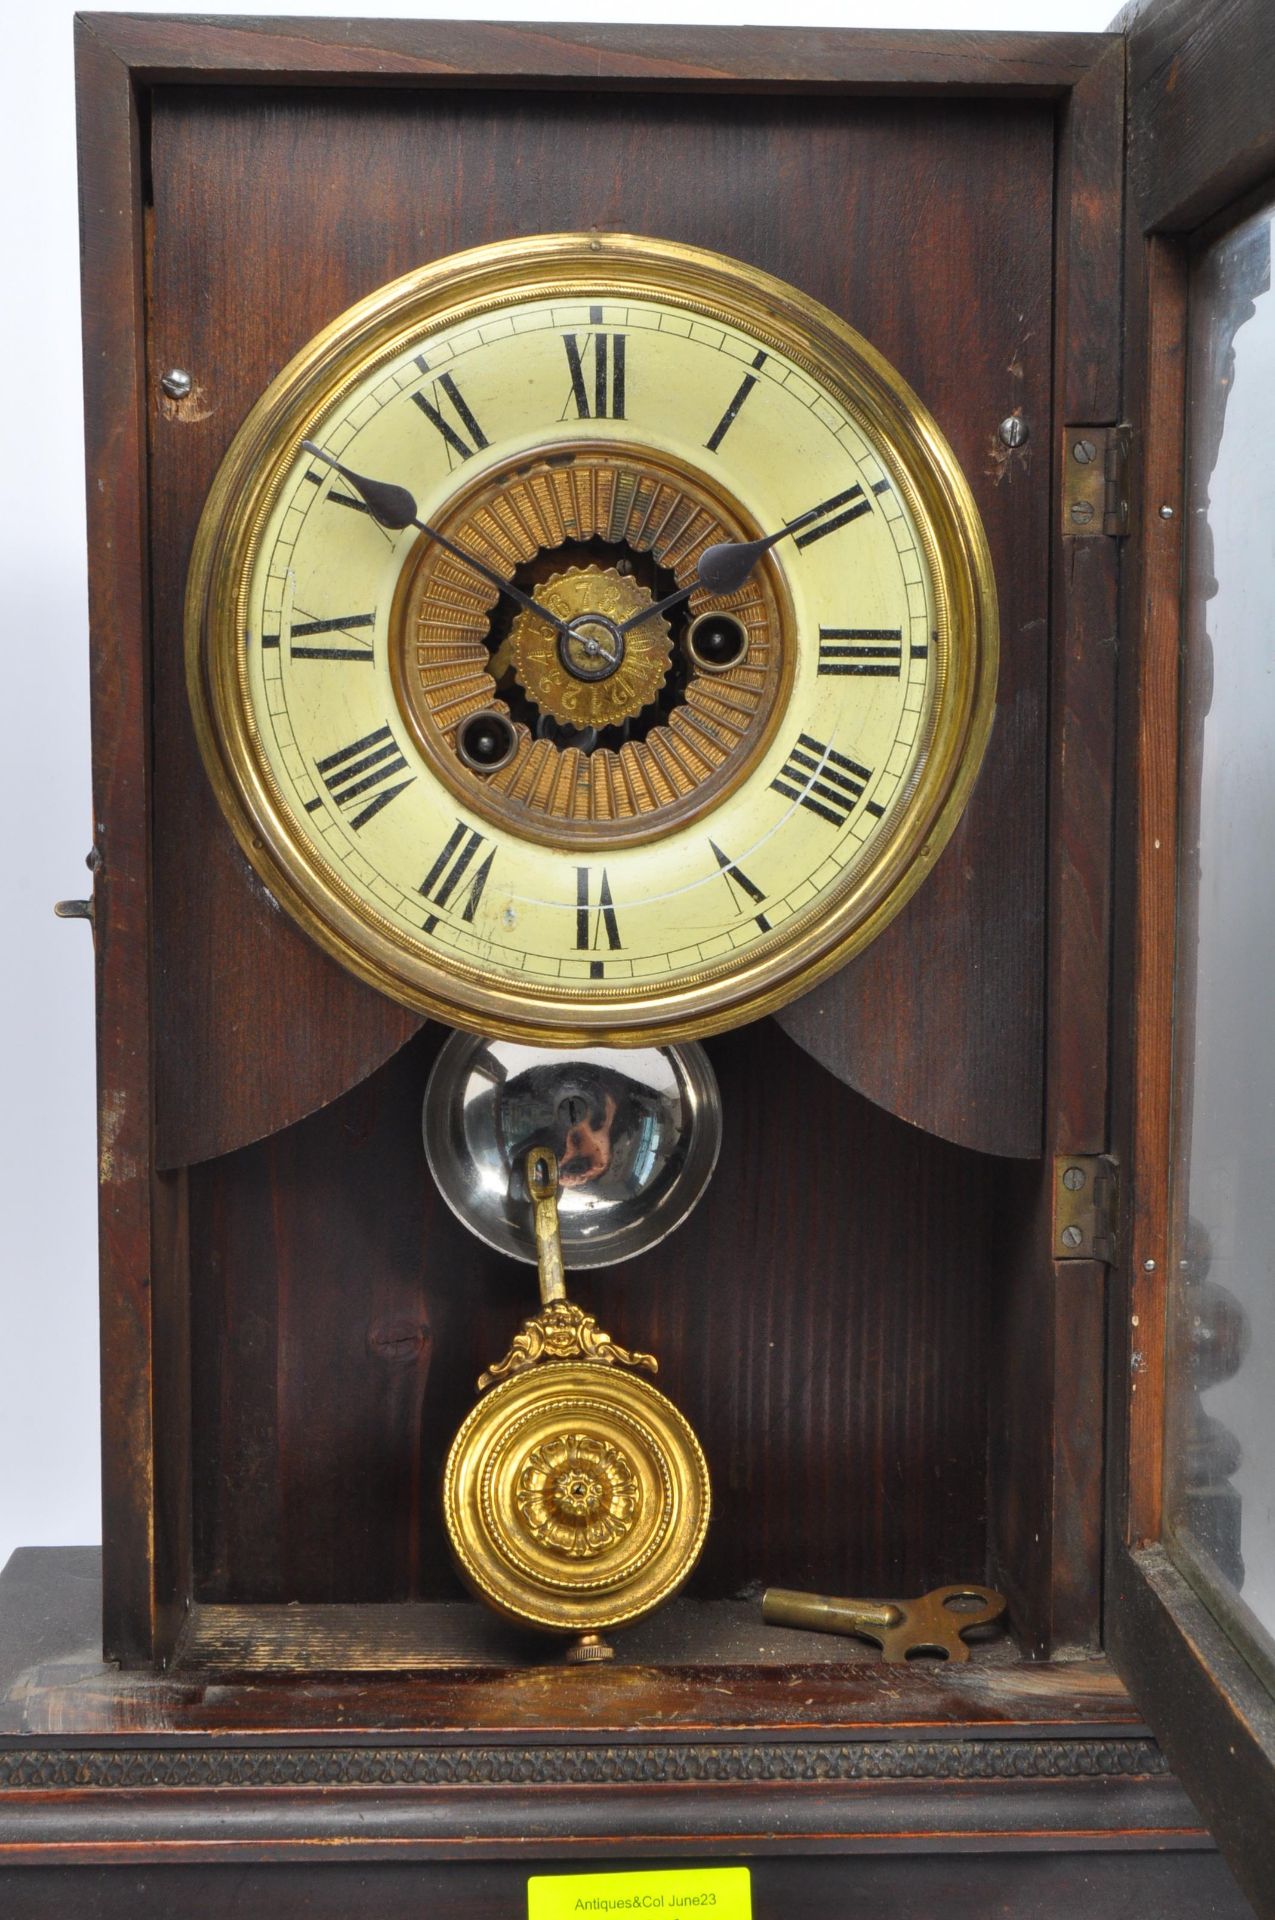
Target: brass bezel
x,y
780,966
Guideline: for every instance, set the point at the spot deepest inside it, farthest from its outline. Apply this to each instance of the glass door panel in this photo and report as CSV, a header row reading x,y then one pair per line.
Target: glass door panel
x,y
1220,1483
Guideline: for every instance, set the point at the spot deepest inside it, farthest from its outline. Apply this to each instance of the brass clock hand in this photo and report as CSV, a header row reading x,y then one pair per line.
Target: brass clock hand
x,y
394,508
724,568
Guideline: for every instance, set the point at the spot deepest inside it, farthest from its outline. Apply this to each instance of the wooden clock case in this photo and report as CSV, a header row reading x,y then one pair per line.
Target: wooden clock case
x,y
900,1372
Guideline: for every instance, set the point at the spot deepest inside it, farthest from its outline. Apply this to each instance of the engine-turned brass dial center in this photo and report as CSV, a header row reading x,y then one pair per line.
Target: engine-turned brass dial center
x,y
620,734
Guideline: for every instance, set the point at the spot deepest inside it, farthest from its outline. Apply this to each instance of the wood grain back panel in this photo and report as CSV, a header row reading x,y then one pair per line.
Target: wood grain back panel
x,y
822,1319
925,223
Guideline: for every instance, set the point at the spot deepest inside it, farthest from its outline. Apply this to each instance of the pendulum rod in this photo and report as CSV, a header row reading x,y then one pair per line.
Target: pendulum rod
x,y
541,1168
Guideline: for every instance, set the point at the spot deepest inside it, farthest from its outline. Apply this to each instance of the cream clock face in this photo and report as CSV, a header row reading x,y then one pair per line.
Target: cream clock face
x,y
513,761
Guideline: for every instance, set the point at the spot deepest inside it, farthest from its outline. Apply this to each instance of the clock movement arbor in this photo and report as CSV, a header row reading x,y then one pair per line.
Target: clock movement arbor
x,y
906,1365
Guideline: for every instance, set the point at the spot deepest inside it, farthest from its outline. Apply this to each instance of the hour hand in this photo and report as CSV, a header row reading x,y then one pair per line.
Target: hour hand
x,y
394,508
390,506
723,569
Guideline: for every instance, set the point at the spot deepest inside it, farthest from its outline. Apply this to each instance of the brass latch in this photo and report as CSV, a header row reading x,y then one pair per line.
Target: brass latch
x,y
1095,480
1084,1207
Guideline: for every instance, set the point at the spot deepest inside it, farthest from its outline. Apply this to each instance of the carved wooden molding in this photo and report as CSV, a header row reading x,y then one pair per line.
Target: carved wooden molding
x,y
805,1763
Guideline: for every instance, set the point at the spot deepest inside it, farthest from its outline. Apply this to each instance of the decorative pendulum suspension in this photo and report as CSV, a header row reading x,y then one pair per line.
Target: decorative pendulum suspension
x,y
576,1495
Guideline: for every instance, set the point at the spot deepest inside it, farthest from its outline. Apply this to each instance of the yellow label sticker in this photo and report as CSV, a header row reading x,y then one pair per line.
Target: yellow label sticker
x,y
674,1893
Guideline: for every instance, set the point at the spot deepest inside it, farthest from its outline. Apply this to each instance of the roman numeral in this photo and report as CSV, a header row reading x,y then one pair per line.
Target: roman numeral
x,y
342,623
361,769
818,777
451,868
445,389
876,651
593,922
825,519
727,420
597,373
338,498
739,883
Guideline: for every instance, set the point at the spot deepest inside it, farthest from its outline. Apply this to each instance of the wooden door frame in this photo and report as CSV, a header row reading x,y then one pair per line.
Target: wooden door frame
x,y
1201,139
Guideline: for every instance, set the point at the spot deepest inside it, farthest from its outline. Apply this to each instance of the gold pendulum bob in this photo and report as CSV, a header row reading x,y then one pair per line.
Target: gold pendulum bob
x,y
576,1496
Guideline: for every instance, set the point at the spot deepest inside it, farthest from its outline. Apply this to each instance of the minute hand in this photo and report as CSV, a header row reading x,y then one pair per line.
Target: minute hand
x,y
393,507
725,568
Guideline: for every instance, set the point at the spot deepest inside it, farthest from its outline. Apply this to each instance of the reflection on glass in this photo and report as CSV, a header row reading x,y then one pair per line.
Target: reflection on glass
x,y
1221,1434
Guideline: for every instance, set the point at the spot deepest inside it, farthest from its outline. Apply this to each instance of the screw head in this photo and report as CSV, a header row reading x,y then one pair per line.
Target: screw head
x,y
1083,452
1081,512
1014,430
1166,513
176,383
1074,1179
1071,1236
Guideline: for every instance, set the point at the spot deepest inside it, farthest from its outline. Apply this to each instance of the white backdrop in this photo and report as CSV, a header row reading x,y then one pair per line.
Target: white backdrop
x,y
48,1350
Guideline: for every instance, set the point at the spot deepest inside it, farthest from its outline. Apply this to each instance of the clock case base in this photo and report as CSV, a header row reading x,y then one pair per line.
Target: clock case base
x,y
897,1380
832,1779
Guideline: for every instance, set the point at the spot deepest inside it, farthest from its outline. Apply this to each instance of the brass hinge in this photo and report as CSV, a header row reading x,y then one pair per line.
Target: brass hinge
x,y
1095,480
1085,1195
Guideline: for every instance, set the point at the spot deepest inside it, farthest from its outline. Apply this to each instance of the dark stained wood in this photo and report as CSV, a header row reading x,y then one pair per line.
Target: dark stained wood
x,y
893,1376
1083,762
824,1332
254,1025
173,1374
1146,891
395,52
1049,1333
1083,620
1215,1717
633,1826
98,1766
1090,239
1085,581
111,195
966,1099
1079,1455
1047,1477
218,1081
1201,108
1202,131
1173,1886
941,1020
455,1635
52,1683
414,1635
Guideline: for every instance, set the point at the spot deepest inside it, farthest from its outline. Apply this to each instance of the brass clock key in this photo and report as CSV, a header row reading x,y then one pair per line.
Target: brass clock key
x,y
936,1623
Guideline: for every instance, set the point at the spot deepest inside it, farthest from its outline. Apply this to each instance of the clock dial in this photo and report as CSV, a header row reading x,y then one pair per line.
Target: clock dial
x,y
515,760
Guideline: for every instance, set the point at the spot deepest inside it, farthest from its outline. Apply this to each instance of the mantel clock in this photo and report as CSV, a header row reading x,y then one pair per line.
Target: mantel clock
x,y
661,552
